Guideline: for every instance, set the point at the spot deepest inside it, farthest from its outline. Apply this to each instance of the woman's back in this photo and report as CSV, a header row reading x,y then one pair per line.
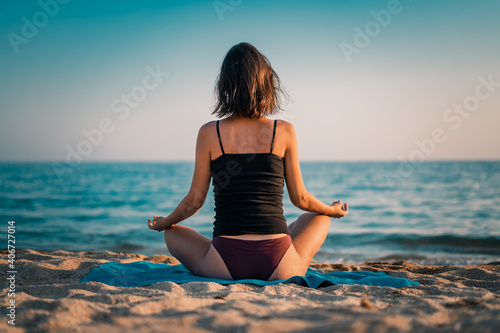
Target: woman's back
x,y
248,183
244,135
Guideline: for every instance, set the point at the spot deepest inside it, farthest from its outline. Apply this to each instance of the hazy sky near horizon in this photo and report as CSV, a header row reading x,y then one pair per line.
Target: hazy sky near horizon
x,y
369,80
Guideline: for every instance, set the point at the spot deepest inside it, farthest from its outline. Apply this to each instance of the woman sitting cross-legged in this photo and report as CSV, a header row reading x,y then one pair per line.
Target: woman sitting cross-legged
x,y
248,156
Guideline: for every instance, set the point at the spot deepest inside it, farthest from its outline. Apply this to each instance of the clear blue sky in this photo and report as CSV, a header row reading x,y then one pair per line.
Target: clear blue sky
x,y
406,79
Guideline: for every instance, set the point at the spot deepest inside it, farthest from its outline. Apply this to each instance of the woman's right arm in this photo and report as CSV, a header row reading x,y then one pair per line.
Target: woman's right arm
x,y
299,196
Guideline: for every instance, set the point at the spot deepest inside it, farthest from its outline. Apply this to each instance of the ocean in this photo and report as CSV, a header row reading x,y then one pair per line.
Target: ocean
x,y
430,213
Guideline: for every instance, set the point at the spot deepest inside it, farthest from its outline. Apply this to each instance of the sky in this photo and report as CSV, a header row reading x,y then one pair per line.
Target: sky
x,y
133,80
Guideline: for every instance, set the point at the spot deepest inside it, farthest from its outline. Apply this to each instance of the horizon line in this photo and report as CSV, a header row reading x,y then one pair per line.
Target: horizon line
x,y
192,161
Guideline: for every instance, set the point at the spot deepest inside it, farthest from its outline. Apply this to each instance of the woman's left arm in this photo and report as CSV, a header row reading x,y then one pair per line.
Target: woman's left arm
x,y
197,194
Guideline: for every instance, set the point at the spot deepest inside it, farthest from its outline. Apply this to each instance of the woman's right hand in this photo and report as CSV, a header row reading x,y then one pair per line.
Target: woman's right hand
x,y
339,210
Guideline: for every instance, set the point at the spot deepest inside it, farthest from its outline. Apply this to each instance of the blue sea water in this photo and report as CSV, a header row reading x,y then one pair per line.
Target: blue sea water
x,y
430,213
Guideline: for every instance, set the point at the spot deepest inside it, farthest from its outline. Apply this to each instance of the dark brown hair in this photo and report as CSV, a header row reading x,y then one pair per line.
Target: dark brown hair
x,y
247,85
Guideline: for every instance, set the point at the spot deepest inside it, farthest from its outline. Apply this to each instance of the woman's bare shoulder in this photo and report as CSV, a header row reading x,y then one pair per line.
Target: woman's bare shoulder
x,y
286,127
207,128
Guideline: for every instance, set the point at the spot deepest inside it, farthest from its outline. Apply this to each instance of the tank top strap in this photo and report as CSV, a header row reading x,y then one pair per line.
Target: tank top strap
x,y
218,134
274,134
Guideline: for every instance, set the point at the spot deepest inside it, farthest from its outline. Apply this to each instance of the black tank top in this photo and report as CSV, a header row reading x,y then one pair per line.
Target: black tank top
x,y
248,192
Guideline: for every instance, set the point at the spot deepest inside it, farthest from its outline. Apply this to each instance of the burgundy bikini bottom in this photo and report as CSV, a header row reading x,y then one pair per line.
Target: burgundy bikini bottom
x,y
251,259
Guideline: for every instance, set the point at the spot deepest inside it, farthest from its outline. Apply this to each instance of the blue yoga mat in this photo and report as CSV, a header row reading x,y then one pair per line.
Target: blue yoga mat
x,y
143,273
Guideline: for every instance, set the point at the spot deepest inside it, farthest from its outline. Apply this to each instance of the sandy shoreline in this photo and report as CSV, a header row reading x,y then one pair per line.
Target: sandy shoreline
x,y
50,298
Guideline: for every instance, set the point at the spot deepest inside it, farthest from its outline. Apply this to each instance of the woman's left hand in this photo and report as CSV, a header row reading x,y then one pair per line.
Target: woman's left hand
x,y
157,224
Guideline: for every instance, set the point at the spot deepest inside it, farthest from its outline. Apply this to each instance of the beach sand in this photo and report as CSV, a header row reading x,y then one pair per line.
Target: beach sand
x,y
50,298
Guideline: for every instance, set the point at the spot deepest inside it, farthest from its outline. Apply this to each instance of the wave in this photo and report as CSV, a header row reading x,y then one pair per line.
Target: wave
x,y
420,243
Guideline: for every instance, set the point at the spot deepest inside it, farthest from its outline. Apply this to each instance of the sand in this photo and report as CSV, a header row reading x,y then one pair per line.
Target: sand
x,y
50,298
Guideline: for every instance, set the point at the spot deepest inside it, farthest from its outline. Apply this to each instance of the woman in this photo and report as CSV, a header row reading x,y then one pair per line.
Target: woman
x,y
248,155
